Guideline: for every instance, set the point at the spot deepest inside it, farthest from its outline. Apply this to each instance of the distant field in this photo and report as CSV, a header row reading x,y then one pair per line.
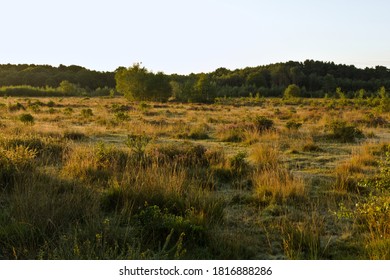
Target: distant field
x,y
105,178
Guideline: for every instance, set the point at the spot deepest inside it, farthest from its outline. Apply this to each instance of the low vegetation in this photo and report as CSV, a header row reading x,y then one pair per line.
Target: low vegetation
x,y
254,178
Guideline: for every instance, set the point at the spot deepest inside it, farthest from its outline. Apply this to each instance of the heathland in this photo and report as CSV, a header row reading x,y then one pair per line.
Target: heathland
x,y
284,172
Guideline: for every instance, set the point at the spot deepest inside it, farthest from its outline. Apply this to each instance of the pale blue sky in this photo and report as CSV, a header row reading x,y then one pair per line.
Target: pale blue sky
x,y
193,36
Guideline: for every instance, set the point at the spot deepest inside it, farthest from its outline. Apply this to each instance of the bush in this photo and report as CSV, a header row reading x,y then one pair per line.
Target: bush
x,y
186,154
196,133
293,125
138,144
68,110
238,164
26,119
343,132
15,107
157,226
86,113
121,116
74,135
262,123
292,91
231,133
311,147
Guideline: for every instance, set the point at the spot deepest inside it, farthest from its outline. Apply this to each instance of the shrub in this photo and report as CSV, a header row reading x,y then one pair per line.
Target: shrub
x,y
185,153
344,132
86,113
138,144
68,110
231,133
157,225
293,125
121,116
15,107
26,119
51,103
311,147
372,120
115,108
238,164
74,135
197,133
262,123
292,91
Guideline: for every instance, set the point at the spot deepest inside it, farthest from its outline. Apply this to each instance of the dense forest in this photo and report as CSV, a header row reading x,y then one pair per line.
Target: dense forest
x,y
312,79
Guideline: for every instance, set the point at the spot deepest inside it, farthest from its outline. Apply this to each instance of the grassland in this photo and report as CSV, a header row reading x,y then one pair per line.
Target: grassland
x,y
104,178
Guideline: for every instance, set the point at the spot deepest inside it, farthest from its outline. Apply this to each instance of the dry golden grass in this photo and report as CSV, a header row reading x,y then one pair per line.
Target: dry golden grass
x,y
277,184
235,178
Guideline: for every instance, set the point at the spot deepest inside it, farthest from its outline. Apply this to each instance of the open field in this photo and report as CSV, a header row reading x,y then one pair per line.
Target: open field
x,y
105,178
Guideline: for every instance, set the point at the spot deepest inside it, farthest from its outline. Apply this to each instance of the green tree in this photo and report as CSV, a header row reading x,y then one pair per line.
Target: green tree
x,y
137,83
204,89
70,88
292,91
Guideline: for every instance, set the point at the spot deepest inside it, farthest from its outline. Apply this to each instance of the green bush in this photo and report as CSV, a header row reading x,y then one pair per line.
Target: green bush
x,y
262,123
26,119
138,144
15,107
161,227
121,116
343,132
293,125
238,164
185,153
74,135
86,113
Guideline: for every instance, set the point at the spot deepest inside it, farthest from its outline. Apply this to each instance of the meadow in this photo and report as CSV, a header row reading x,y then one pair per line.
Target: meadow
x,y
249,178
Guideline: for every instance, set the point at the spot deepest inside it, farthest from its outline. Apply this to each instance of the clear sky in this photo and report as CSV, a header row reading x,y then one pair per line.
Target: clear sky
x,y
179,36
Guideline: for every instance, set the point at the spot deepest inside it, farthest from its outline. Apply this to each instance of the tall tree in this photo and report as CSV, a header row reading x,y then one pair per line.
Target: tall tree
x,y
137,83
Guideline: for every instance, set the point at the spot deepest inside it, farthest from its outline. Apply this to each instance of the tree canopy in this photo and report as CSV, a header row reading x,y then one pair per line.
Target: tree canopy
x,y
137,83
313,78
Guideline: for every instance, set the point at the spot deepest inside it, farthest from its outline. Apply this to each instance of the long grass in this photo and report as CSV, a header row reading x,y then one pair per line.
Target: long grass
x,y
202,182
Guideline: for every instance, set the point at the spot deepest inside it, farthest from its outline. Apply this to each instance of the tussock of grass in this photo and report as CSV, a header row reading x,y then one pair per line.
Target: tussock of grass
x,y
277,185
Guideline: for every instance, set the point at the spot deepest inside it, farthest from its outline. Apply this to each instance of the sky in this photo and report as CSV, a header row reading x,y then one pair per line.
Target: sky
x,y
184,36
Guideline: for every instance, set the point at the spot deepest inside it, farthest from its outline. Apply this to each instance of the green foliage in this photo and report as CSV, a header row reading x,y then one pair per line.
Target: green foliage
x,y
196,133
74,135
121,116
69,88
293,125
15,107
68,111
22,90
263,123
26,119
187,154
86,113
138,144
311,147
343,132
292,91
137,83
238,164
157,225
372,212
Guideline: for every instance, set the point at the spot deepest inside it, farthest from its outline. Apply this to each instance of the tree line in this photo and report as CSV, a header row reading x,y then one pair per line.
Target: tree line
x,y
50,76
298,79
